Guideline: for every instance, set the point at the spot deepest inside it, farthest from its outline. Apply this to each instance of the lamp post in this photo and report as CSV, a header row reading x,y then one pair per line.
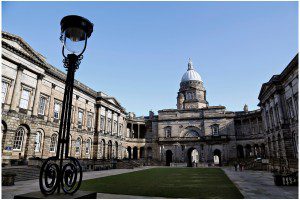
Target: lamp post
x,y
61,171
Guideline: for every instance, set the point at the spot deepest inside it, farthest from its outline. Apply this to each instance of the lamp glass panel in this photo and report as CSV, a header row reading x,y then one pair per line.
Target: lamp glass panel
x,y
74,40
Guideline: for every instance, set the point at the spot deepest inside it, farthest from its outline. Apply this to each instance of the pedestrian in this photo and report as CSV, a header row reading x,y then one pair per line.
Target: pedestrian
x,y
235,166
240,166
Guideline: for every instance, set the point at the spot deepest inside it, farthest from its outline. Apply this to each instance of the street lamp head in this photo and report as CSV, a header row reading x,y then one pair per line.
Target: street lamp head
x,y
75,31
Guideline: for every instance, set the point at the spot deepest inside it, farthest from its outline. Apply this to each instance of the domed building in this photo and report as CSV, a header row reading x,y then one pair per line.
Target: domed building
x,y
194,133
192,93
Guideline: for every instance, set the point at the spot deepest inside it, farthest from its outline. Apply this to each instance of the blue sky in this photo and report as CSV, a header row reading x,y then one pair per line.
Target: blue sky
x,y
139,50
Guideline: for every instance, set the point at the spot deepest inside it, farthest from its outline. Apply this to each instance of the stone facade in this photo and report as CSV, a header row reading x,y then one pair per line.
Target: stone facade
x,y
32,93
279,105
194,133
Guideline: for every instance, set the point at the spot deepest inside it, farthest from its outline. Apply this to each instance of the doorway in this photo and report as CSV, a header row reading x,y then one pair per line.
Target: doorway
x,y
169,156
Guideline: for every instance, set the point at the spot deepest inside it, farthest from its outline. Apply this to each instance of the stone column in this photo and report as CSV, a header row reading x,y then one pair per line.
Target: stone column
x,y
280,112
17,89
112,123
76,109
138,153
118,116
51,104
106,121
99,118
37,94
131,155
131,130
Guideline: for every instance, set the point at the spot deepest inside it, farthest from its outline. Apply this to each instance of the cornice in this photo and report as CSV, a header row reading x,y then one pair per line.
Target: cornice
x,y
12,49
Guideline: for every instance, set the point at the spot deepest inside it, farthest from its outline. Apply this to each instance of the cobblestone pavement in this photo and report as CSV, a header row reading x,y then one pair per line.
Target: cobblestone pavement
x,y
260,185
22,187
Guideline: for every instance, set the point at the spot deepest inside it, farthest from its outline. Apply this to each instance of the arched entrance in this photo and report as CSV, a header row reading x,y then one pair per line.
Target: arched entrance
x,y
109,151
240,151
217,157
129,152
169,156
193,157
248,151
149,153
142,152
135,153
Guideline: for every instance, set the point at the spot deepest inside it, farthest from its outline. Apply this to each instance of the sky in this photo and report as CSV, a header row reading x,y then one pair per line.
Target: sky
x,y
139,51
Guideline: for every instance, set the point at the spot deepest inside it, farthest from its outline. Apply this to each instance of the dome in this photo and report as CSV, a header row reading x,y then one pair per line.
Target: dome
x,y
191,74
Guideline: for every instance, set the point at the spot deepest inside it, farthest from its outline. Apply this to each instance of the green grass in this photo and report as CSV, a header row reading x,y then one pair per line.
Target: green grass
x,y
197,183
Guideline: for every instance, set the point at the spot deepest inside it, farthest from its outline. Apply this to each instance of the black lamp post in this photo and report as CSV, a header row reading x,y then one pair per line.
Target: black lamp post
x,y
61,171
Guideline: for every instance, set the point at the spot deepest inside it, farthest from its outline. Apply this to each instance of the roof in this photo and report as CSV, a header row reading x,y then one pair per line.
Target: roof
x,y
191,74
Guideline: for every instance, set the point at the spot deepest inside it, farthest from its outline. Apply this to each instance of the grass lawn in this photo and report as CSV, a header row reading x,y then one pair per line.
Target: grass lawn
x,y
168,182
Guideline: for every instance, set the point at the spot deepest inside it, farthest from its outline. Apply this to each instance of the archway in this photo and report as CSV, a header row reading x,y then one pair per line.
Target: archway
x,y
149,153
3,131
240,151
169,156
193,157
109,150
248,150
217,157
116,155
142,152
135,153
129,152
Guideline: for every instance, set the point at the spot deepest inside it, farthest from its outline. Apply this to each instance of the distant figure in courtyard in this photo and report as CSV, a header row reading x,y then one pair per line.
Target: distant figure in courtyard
x,y
235,165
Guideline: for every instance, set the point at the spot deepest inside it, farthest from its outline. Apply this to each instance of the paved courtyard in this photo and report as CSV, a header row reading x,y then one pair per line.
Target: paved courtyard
x,y
260,185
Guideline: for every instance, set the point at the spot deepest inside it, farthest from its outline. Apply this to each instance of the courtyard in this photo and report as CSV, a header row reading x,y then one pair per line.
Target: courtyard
x,y
200,183
168,182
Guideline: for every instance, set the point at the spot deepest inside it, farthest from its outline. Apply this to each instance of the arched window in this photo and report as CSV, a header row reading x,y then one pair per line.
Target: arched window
x,y
38,139
78,145
18,140
215,129
88,146
168,131
53,142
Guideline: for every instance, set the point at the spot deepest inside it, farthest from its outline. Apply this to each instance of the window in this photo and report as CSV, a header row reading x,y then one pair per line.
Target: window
x,y
42,106
120,129
102,122
88,146
89,121
80,118
24,99
272,117
215,129
4,90
115,126
18,140
56,110
296,101
290,107
168,132
53,143
78,145
267,119
277,114
38,141
109,125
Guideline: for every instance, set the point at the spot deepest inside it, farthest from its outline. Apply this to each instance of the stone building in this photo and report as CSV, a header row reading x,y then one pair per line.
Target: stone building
x,y
279,105
249,133
194,133
32,94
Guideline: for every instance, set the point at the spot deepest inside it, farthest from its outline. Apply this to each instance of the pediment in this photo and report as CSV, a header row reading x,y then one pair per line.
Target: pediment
x,y
19,44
